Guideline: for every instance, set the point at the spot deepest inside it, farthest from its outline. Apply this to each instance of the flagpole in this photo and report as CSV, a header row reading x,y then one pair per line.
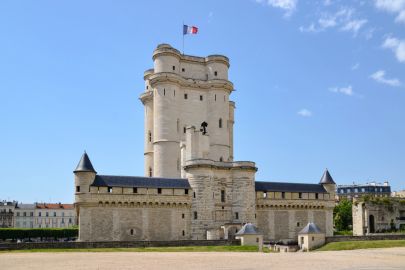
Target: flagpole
x,y
183,35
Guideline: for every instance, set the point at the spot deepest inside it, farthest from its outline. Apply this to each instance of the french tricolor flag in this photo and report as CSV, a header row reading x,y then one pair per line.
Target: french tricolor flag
x,y
189,29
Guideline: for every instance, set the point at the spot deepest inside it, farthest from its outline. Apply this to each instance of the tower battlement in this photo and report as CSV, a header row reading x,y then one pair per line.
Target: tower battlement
x,y
180,91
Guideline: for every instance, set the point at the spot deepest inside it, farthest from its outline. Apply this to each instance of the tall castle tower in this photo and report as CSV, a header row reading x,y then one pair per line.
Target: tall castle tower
x,y
182,91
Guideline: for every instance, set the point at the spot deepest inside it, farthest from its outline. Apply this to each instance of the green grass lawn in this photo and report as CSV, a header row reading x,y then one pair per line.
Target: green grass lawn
x,y
350,245
150,249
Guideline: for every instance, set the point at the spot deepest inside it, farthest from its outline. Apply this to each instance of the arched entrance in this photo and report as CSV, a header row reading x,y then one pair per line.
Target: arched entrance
x,y
371,224
230,229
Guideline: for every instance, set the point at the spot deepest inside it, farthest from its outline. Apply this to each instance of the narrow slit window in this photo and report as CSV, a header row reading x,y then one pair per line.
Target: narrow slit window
x,y
150,172
183,69
150,136
222,195
164,91
201,97
215,73
195,215
220,122
174,68
185,96
159,191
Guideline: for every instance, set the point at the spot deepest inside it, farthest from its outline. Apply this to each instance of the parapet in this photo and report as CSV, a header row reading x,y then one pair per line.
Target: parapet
x,y
167,49
195,163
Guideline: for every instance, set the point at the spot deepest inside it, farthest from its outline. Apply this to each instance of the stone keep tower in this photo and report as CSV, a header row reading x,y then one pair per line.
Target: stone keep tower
x,y
181,91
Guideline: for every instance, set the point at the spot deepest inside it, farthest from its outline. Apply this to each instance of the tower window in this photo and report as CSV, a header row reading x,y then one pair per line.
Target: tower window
x,y
222,195
316,196
215,97
216,73
193,194
147,87
183,233
150,136
182,215
283,195
150,172
109,189
184,129
220,123
186,191
195,215
300,195
164,91
174,68
183,69
298,224
201,97
135,190
77,188
236,215
159,191
221,159
185,96
174,92
132,232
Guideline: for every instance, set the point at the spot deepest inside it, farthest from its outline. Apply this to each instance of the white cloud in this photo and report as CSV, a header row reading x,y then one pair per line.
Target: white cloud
x,y
390,5
343,19
304,113
397,46
401,17
393,6
289,6
327,2
355,66
379,76
210,16
343,90
354,26
311,28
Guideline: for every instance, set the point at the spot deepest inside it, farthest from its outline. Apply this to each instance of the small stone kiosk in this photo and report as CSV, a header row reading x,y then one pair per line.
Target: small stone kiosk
x,y
250,236
310,237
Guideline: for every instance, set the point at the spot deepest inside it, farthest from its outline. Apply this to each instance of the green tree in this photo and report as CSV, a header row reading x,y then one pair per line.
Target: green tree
x,y
342,215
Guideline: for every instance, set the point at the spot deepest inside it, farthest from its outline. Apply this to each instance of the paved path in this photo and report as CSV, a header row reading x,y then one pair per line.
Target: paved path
x,y
367,259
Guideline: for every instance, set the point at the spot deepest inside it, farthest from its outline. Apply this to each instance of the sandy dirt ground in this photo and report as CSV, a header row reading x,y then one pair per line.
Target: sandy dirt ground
x,y
368,259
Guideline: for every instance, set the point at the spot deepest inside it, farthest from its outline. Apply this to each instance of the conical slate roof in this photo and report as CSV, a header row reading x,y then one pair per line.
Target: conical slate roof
x,y
248,228
310,228
84,164
326,178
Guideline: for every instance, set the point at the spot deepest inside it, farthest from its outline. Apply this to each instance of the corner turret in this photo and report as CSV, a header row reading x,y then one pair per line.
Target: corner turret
x,y
328,183
84,175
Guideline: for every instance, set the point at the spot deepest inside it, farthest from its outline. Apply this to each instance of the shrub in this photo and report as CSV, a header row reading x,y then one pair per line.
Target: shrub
x,y
17,233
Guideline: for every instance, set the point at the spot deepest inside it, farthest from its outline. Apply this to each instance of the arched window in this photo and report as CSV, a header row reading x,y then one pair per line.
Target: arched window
x,y
220,123
150,172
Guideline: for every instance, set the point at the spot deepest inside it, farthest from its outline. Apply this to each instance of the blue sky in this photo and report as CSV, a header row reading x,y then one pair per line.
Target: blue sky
x,y
318,84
